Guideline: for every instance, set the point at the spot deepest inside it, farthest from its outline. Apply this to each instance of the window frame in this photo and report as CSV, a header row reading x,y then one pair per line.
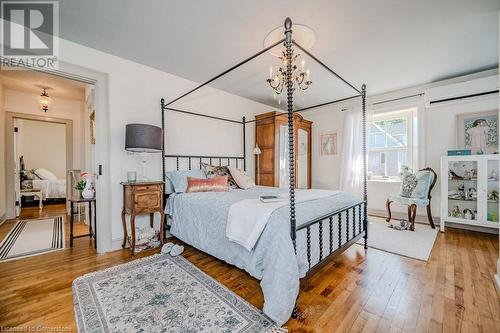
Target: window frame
x,y
410,115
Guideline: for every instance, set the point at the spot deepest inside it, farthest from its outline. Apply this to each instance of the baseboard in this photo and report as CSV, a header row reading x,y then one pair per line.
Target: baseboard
x,y
422,219
116,243
398,216
3,218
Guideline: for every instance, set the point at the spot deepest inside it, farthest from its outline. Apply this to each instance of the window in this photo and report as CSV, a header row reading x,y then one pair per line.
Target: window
x,y
390,143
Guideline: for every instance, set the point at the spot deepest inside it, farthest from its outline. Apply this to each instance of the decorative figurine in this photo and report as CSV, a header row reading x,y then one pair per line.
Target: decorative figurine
x,y
493,195
468,214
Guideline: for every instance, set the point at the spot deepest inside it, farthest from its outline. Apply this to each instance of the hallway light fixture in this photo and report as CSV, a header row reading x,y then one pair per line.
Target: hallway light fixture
x,y
44,101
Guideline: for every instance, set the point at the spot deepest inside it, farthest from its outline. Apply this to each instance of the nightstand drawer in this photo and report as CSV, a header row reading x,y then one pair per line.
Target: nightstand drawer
x,y
147,200
149,188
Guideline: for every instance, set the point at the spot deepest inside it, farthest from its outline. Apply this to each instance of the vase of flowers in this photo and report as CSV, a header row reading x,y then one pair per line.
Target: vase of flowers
x,y
89,190
80,186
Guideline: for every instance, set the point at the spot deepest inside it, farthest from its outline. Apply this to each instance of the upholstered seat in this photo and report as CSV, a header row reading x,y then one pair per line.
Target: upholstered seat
x,y
419,196
399,200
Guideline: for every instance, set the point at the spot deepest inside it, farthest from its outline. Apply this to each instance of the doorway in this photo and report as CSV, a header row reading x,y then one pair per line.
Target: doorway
x,y
47,150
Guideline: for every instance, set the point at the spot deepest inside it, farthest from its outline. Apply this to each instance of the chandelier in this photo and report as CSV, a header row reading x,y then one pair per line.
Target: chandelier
x,y
44,101
301,78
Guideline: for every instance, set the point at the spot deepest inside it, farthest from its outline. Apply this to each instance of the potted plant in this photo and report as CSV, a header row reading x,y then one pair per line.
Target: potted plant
x,y
80,186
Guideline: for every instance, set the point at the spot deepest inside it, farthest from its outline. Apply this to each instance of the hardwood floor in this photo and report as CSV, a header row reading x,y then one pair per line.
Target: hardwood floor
x,y
359,291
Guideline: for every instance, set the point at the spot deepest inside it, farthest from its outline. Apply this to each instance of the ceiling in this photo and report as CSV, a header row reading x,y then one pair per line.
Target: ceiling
x,y
32,82
387,44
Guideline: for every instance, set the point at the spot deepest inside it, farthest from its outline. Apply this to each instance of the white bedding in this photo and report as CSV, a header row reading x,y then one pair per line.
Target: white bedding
x,y
247,218
51,189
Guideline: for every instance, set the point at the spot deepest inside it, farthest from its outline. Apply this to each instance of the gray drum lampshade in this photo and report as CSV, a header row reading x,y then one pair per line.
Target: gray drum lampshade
x,y
143,138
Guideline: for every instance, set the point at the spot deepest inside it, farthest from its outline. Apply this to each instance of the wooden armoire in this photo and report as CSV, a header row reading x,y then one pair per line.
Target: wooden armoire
x,y
271,135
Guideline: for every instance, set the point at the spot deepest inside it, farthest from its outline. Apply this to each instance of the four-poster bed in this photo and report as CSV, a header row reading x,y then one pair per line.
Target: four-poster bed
x,y
318,231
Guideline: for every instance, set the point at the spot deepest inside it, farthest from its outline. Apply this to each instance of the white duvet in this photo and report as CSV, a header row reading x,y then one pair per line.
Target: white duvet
x,y
51,189
247,218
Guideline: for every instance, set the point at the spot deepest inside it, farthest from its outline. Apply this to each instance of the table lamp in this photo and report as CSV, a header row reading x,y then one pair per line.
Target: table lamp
x,y
257,152
143,139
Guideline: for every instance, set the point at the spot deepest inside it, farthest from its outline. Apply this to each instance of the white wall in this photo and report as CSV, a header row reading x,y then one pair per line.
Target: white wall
x,y
22,102
134,92
2,155
436,135
326,168
43,145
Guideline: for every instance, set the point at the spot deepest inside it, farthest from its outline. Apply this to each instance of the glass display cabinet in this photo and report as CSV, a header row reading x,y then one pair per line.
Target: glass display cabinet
x,y
469,190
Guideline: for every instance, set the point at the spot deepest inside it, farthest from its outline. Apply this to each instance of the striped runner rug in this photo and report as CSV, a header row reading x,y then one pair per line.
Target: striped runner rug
x,y
33,237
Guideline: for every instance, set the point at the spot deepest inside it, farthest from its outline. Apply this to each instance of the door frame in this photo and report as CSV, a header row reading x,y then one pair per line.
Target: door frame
x,y
100,81
10,159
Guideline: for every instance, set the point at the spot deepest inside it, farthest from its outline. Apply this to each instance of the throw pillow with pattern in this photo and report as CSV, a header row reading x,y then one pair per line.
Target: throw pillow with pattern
x,y
408,181
215,170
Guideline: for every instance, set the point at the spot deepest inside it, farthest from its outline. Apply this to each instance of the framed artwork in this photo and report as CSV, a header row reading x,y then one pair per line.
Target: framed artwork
x,y
478,132
328,143
92,127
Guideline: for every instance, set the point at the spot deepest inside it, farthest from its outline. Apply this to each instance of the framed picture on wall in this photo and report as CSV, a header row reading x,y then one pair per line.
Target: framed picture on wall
x,y
328,143
478,132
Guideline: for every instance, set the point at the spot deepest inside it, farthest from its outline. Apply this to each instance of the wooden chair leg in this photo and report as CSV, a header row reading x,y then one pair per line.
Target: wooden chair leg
x,y
412,212
388,208
429,216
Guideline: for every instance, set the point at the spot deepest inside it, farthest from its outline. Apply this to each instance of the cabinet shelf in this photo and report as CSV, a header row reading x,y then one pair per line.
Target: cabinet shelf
x,y
458,199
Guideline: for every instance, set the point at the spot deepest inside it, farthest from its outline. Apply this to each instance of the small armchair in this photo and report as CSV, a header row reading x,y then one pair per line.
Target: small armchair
x,y
420,196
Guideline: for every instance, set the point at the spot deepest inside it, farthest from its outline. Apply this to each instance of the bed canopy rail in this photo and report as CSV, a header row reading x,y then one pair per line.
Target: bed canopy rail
x,y
356,216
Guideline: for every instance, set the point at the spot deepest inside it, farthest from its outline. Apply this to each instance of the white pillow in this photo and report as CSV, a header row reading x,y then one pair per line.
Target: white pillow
x,y
241,178
45,174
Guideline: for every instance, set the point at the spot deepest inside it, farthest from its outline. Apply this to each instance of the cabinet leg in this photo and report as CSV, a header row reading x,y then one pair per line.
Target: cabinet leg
x,y
151,219
124,230
132,226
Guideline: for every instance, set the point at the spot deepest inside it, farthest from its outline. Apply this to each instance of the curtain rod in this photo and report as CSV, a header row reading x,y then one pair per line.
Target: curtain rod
x,y
397,99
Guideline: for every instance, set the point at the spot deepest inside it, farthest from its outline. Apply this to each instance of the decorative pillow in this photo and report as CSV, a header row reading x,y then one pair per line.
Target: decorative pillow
x,y
179,178
242,179
213,171
424,181
45,174
27,184
29,174
409,182
214,184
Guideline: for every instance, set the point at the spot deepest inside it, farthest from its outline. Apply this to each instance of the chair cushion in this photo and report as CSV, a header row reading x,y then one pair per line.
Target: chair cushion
x,y
397,199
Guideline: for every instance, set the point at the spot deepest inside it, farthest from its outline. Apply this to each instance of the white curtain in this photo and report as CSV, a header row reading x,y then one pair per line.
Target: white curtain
x,y
351,172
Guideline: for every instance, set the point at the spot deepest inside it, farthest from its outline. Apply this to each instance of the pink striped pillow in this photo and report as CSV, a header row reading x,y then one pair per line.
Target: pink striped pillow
x,y
215,184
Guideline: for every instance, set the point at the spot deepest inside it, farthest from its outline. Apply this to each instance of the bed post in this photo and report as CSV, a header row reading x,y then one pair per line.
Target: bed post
x,y
244,122
365,167
291,157
163,137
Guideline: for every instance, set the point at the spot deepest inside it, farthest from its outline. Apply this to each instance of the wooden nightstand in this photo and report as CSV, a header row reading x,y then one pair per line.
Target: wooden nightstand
x,y
142,198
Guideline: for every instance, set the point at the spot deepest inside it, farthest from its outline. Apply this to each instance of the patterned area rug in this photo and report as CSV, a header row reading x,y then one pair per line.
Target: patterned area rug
x,y
161,293
33,237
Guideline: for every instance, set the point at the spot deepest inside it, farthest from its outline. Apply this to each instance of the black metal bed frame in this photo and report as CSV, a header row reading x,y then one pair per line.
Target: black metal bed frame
x,y
355,216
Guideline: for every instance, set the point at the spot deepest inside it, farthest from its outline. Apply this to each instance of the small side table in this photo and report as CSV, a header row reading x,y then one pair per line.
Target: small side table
x,y
32,192
92,230
141,198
